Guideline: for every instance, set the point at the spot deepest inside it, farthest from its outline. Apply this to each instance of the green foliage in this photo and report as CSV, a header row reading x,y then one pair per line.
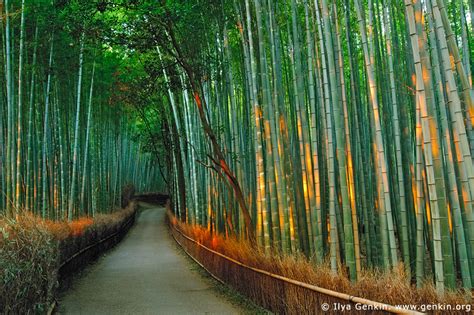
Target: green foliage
x,y
63,42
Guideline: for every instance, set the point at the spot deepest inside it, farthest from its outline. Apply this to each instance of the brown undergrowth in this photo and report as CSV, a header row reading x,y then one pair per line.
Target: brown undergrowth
x,y
32,250
391,288
81,233
28,265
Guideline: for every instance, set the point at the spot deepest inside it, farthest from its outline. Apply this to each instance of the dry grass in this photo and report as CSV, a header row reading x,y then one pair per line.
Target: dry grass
x,y
32,249
78,234
28,265
391,287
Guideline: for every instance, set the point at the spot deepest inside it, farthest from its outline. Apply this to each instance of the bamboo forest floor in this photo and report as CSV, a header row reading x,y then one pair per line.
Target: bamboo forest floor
x,y
144,274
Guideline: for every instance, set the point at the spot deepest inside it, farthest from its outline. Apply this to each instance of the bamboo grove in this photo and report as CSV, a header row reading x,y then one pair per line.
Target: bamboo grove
x,y
66,148
347,125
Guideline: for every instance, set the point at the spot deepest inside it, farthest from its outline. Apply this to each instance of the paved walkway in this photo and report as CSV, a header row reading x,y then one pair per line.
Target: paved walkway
x,y
144,275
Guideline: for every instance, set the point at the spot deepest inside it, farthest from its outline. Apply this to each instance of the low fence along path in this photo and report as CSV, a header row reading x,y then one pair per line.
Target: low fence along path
x,y
144,275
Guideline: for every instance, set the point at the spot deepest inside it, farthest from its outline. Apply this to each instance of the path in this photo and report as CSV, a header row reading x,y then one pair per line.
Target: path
x,y
144,274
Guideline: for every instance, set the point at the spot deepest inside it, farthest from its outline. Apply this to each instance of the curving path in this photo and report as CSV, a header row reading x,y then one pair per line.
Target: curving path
x,y
144,275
